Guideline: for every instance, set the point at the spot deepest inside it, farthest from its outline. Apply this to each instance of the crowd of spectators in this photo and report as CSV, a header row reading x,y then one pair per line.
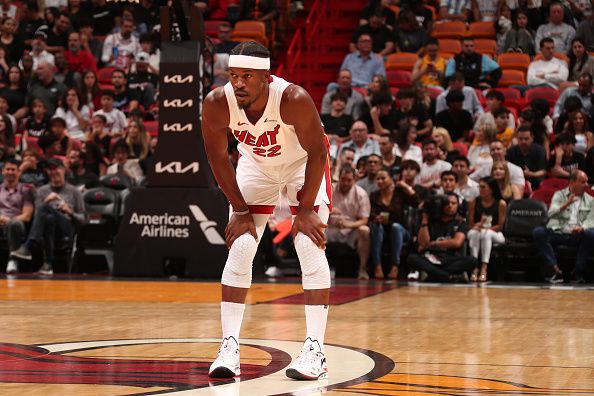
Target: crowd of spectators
x,y
453,146
78,87
78,79
424,170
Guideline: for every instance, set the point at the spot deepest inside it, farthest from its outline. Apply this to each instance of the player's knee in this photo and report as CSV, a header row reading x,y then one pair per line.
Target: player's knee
x,y
238,268
314,265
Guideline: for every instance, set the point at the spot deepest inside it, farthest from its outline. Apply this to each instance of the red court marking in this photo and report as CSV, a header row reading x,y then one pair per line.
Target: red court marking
x,y
341,294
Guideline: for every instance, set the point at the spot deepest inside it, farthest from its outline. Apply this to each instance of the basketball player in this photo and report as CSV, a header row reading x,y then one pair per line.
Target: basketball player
x,y
283,151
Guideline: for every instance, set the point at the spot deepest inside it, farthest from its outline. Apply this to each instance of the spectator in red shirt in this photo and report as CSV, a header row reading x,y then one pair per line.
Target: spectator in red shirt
x,y
78,59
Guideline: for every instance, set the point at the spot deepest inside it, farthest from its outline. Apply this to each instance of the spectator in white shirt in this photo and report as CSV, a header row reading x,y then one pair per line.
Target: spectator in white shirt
x,y
430,176
38,49
119,49
405,146
116,120
549,71
76,114
467,187
558,31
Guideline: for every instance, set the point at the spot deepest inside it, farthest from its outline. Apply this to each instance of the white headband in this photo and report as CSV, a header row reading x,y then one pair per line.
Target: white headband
x,y
249,62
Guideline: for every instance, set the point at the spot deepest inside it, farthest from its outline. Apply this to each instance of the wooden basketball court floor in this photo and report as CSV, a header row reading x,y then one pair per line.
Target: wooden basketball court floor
x,y
79,336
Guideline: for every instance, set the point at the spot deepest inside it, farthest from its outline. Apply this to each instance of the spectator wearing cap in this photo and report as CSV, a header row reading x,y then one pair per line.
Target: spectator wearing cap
x,y
16,209
565,159
57,36
39,49
59,207
456,120
123,165
143,80
479,70
471,100
115,118
79,60
363,63
120,48
381,36
45,87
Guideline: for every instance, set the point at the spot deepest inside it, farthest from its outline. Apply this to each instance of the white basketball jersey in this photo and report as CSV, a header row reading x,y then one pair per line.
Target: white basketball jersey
x,y
269,142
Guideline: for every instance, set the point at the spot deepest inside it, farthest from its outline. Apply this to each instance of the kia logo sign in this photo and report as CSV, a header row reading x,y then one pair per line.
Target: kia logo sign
x,y
177,127
176,167
178,103
178,79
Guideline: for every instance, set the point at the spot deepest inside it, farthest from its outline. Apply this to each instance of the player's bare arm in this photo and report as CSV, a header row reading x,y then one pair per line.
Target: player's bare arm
x,y
298,109
215,124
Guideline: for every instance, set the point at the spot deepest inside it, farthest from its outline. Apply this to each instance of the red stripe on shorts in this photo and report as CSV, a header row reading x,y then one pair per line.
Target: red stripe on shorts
x,y
261,209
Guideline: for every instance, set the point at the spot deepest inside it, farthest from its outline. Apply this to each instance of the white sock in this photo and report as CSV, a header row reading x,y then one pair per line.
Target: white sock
x,y
316,317
231,317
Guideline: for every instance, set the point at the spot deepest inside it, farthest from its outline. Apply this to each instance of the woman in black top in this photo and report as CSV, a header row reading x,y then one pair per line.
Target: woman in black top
x,y
486,215
15,91
387,218
14,45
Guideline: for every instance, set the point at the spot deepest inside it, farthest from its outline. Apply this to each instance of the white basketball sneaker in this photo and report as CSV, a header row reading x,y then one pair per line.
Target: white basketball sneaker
x,y
310,364
226,365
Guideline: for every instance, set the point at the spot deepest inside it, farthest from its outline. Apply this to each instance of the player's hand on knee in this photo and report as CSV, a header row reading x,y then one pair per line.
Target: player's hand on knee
x,y
239,225
310,224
